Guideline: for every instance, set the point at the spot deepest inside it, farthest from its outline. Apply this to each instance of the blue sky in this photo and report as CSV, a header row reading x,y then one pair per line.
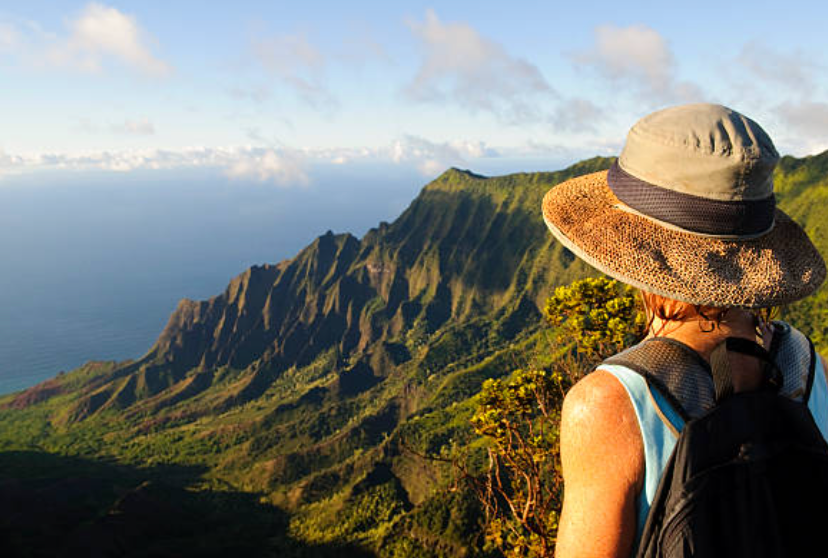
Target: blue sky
x,y
264,91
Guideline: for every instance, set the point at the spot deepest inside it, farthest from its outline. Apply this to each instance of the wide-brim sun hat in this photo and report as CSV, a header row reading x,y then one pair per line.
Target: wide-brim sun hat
x,y
688,212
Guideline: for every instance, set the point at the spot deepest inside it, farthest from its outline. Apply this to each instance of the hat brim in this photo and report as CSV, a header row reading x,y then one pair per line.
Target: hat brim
x,y
776,268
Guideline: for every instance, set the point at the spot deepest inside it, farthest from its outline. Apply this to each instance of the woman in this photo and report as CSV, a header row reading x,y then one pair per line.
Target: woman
x,y
687,215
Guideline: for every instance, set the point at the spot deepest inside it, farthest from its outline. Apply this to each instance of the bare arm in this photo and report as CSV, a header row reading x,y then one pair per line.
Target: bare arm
x,y
603,466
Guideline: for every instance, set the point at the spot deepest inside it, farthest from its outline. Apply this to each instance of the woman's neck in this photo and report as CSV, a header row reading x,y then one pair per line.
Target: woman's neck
x,y
703,336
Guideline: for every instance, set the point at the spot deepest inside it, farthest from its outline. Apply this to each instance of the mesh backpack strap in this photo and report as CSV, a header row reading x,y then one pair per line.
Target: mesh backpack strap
x,y
675,370
794,354
654,382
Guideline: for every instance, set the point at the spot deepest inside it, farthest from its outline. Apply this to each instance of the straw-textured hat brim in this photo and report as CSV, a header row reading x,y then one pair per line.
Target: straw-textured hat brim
x,y
776,268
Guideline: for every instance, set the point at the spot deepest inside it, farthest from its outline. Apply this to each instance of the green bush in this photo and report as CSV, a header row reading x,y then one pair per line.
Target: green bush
x,y
602,316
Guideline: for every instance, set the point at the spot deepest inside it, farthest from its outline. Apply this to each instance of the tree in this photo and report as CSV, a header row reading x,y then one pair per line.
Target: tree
x,y
521,490
518,417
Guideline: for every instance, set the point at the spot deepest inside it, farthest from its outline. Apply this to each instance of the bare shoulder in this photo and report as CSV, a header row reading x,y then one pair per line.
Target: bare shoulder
x,y
599,388
598,407
602,456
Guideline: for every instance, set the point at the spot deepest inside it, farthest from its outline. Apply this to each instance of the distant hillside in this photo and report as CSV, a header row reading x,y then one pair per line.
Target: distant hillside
x,y
299,380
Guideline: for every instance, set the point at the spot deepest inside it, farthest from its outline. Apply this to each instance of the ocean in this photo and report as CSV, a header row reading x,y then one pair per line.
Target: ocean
x,y
92,264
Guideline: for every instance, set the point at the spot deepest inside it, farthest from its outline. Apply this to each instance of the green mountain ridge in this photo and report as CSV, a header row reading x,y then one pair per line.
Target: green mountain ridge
x,y
301,381
459,251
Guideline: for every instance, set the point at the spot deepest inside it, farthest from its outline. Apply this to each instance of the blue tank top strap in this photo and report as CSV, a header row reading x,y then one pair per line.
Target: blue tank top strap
x,y
818,400
660,422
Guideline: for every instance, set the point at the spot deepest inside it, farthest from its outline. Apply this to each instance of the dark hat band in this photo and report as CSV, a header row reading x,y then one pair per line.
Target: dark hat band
x,y
738,218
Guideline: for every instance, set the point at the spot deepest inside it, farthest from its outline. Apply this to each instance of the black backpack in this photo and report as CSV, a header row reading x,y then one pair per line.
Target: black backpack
x,y
749,477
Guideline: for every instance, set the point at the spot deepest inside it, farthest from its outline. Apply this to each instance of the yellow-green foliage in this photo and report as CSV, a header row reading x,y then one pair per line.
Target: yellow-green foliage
x,y
364,517
503,403
519,416
600,315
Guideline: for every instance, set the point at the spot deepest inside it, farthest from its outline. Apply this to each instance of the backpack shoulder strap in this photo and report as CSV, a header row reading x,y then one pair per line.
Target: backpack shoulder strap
x,y
723,375
794,354
686,380
678,372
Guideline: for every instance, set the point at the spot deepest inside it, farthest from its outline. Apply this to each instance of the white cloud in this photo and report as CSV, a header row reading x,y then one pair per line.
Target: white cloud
x,y
577,115
638,56
9,164
101,32
794,71
806,126
785,89
99,36
785,84
9,37
299,65
142,127
432,158
270,165
476,73
636,50
281,166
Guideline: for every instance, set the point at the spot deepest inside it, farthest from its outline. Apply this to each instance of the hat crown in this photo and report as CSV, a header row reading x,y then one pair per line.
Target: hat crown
x,y
704,150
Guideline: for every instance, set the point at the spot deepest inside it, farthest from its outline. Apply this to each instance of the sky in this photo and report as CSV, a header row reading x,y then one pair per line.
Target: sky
x,y
264,91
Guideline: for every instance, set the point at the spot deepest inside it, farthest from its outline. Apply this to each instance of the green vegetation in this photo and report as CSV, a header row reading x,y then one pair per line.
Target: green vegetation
x,y
600,316
313,390
518,417
522,489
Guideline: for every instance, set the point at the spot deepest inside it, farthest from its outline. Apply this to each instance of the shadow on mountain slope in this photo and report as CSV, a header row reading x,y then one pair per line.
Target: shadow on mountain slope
x,y
59,506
